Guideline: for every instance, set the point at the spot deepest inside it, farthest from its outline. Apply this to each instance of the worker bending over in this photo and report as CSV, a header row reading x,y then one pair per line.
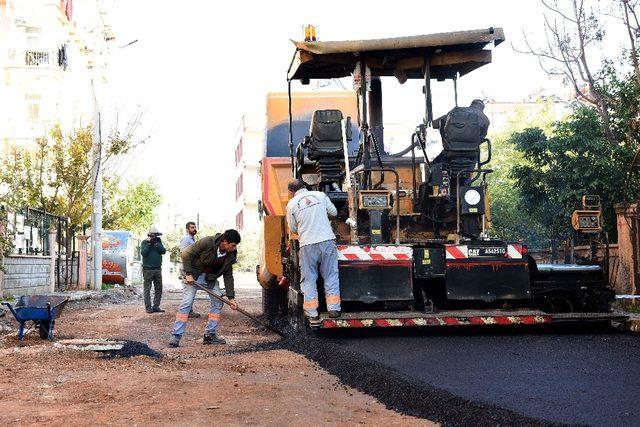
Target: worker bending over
x,y
204,262
308,215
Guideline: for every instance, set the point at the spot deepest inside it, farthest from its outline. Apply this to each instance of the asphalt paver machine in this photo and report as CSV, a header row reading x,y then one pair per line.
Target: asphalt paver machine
x,y
413,229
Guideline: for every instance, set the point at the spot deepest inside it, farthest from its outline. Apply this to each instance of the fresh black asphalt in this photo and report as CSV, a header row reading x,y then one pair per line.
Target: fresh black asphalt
x,y
563,374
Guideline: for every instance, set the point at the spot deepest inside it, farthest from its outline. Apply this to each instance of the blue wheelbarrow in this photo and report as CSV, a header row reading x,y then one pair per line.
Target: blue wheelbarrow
x,y
42,310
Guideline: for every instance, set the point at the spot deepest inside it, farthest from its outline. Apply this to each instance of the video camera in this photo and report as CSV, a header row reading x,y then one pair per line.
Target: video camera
x,y
155,237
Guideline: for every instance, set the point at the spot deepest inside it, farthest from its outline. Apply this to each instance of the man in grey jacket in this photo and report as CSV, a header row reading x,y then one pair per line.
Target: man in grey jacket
x,y
308,215
187,240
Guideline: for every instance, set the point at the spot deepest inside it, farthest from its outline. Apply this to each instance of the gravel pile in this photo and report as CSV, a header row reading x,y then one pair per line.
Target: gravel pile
x,y
94,298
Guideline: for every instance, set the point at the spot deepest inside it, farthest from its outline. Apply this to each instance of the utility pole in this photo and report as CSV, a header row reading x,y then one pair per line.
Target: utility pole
x,y
96,180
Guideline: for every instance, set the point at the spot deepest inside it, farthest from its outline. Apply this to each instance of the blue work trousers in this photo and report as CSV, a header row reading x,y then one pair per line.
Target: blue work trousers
x,y
189,295
320,258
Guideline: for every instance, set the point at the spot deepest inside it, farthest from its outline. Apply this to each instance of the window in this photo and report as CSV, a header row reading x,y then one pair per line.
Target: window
x,y
239,187
34,54
33,35
33,107
240,221
36,58
239,152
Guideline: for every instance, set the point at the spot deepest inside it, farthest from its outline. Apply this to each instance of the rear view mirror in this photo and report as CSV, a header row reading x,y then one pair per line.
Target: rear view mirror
x,y
347,131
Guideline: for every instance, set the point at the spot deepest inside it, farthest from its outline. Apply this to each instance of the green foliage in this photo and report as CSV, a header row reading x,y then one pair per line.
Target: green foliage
x,y
56,176
630,306
249,249
623,96
134,208
509,222
575,159
6,242
621,93
543,167
172,238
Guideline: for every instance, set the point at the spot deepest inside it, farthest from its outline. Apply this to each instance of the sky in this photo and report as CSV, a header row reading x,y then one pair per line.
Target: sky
x,y
198,66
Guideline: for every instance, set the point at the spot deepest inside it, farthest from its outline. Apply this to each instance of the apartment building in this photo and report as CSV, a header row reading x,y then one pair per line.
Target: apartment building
x,y
50,50
249,150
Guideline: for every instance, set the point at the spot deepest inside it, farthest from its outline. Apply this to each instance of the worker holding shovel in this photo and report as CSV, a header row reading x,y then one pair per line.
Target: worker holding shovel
x,y
203,263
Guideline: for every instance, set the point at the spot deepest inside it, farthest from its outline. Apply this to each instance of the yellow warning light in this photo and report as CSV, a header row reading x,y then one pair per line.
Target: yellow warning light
x,y
310,33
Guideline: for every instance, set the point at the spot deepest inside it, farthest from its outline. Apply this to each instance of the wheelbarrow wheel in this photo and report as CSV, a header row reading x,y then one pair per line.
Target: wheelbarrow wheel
x,y
43,329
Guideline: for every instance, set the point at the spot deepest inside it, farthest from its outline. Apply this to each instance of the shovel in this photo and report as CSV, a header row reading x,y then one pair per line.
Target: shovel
x,y
226,301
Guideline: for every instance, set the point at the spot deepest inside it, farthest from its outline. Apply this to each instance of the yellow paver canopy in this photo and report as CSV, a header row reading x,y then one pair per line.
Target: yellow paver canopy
x,y
452,53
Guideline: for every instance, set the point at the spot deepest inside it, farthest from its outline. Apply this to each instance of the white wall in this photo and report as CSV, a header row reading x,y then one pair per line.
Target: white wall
x,y
39,93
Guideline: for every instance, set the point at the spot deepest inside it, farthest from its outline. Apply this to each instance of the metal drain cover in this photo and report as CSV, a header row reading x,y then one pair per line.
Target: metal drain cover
x,y
91,344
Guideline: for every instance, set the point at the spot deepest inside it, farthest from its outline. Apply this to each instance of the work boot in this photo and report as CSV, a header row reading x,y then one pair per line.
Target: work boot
x,y
212,339
334,314
174,341
149,310
194,315
157,310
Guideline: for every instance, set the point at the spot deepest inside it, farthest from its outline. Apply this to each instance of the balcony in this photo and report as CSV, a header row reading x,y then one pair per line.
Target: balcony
x,y
22,64
37,58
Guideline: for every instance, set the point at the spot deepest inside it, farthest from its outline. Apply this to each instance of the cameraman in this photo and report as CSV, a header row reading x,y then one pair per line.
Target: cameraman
x,y
152,250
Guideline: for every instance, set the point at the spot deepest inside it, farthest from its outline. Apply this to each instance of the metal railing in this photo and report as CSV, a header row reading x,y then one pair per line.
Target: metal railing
x,y
30,230
37,58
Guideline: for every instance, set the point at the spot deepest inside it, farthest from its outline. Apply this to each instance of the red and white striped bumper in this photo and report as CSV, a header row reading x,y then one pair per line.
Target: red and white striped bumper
x,y
389,253
434,320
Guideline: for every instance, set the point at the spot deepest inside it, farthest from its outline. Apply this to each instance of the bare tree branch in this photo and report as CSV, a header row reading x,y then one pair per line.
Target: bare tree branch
x,y
556,9
571,28
632,41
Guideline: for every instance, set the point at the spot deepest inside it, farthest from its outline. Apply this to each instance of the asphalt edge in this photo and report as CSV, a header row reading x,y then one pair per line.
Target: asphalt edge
x,y
394,390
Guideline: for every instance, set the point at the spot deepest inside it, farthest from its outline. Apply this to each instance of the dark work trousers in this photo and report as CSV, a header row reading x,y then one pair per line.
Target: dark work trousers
x,y
152,275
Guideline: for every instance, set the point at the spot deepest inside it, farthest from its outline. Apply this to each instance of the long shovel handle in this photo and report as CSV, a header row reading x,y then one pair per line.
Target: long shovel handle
x,y
225,301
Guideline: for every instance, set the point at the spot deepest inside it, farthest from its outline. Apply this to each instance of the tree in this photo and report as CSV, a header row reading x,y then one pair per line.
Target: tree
x,y
630,20
573,29
249,252
172,238
133,209
249,248
596,150
623,94
572,160
55,176
509,221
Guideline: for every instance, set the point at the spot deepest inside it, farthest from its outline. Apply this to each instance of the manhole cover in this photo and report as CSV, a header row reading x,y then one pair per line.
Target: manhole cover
x,y
110,348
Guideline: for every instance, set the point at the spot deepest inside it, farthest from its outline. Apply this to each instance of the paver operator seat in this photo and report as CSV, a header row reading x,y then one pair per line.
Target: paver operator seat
x,y
463,129
324,146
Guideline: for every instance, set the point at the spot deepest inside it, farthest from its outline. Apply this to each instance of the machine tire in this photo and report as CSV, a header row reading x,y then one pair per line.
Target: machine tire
x,y
43,330
274,302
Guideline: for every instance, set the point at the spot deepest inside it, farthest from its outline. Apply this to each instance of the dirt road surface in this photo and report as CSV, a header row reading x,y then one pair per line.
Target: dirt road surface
x,y
235,384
